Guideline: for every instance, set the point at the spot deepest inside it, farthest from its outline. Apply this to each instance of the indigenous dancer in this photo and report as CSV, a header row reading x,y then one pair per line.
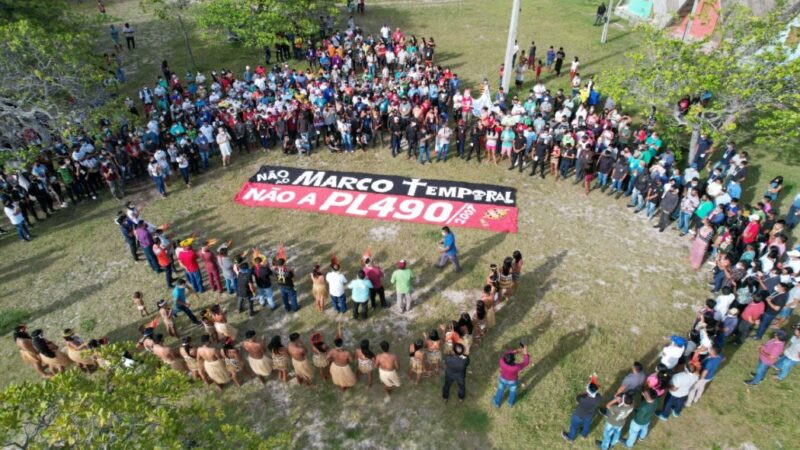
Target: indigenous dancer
x,y
257,358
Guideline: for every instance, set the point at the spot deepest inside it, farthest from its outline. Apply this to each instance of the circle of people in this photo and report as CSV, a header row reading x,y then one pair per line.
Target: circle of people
x,y
402,93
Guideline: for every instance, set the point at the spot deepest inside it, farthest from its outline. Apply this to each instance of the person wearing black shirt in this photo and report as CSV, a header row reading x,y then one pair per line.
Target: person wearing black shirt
x,y
461,138
604,166
560,55
396,128
540,154
245,288
775,302
126,230
455,371
262,274
585,407
475,144
411,138
284,276
518,151
601,13
669,204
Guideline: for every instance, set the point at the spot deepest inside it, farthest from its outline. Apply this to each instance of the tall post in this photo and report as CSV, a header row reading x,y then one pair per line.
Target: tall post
x,y
512,37
689,21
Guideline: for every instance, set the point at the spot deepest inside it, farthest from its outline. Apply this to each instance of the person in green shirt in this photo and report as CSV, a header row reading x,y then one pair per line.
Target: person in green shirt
x,y
705,208
642,416
68,179
401,279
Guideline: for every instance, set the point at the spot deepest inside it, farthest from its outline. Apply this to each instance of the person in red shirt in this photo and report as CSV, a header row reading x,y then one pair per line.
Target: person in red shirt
x,y
375,276
750,316
188,259
509,374
210,262
164,261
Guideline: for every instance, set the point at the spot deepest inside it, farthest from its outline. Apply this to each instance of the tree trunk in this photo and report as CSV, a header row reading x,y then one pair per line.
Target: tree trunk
x,y
186,41
693,145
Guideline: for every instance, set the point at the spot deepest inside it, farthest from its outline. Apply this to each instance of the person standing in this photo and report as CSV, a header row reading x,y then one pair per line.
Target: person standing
x,y
632,381
448,249
790,357
669,203
560,55
455,371
262,274
284,276
211,265
336,285
375,276
245,288
127,30
402,279
586,405
678,392
341,373
708,370
601,14
188,259
164,260
768,355
617,412
509,375
14,215
642,416
387,369
145,240
302,367
773,305
360,293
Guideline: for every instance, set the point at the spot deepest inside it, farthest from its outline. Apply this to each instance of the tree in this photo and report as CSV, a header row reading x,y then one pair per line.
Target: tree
x,y
145,405
50,78
257,23
743,70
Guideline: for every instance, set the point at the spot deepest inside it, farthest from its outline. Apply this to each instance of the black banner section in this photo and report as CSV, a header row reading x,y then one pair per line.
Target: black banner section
x,y
388,184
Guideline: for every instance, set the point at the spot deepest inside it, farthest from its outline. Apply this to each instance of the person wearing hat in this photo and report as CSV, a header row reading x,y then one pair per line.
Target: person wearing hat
x,y
586,404
402,279
188,259
768,355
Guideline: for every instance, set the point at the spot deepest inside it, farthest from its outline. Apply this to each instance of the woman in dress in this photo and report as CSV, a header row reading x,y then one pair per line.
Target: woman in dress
x,y
233,361
28,353
479,320
280,357
366,361
224,143
416,361
189,355
516,268
697,252
51,356
319,288
505,278
319,355
466,328
76,351
433,351
224,329
488,300
491,145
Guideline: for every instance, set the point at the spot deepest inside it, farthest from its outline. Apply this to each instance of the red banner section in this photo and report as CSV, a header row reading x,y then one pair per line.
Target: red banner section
x,y
429,206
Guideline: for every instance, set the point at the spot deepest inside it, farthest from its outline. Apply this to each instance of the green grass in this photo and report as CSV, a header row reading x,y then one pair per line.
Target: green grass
x,y
599,290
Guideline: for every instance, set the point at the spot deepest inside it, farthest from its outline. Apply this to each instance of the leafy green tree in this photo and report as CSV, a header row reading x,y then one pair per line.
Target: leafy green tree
x,y
50,78
263,22
143,405
743,66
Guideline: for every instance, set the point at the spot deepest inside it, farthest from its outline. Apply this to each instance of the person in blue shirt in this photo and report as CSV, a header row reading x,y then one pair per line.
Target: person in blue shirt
x,y
707,372
448,249
179,302
360,293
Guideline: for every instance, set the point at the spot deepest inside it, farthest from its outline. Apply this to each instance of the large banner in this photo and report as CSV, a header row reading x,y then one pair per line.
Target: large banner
x,y
385,197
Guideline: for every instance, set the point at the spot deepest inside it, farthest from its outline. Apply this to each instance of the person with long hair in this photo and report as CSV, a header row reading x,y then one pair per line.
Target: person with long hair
x,y
189,355
479,319
29,355
341,373
366,361
505,278
319,288
233,361
256,349
212,362
487,297
280,357
76,351
387,369
319,355
302,367
433,351
416,357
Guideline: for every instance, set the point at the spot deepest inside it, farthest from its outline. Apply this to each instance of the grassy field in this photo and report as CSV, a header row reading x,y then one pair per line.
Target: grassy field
x,y
600,289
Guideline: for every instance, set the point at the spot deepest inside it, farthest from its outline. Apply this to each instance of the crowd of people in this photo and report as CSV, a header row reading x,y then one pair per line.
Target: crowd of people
x,y
361,88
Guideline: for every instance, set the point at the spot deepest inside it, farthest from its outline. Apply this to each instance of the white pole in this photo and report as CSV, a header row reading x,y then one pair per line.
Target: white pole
x,y
689,22
606,19
512,37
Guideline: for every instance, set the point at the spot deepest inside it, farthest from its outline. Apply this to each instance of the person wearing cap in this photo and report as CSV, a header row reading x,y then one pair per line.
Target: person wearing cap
x,y
402,279
188,260
678,392
586,404
671,354
768,355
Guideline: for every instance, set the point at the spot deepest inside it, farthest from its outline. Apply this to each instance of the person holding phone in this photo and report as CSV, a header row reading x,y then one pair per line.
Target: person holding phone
x,y
509,374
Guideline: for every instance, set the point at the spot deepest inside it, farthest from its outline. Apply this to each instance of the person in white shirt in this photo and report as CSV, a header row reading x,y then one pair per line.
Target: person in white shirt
x,y
14,215
224,143
679,389
336,288
790,357
724,302
671,354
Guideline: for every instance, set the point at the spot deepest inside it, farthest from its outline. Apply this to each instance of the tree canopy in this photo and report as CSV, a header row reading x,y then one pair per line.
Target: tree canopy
x,y
743,71
138,405
257,23
50,77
